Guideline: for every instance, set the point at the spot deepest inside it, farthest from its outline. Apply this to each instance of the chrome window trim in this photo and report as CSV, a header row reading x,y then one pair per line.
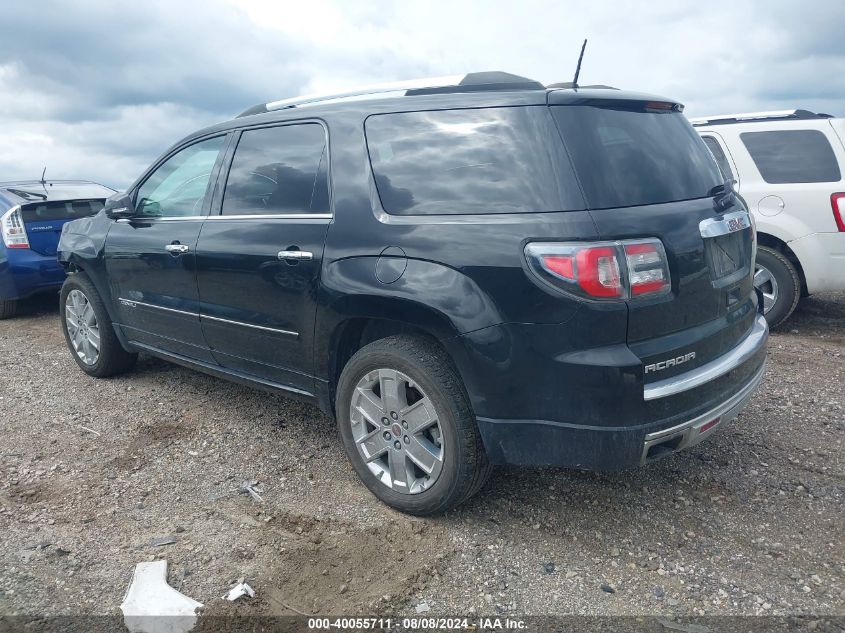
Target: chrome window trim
x,y
714,369
277,216
250,325
714,227
219,218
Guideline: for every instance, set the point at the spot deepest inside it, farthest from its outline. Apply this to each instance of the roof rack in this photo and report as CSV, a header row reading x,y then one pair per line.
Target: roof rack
x,y
471,82
750,117
568,85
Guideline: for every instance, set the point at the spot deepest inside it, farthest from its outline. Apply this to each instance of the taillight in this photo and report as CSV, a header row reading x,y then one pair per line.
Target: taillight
x,y
602,270
647,269
837,201
14,232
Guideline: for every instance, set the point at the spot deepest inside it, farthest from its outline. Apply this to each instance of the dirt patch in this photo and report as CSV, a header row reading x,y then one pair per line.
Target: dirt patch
x,y
335,568
159,436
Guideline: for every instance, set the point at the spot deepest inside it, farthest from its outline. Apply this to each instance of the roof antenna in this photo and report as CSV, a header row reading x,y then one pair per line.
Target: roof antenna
x,y
578,68
42,181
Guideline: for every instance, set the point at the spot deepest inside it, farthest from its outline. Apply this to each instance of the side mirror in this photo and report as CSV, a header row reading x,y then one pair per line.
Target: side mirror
x,y
119,206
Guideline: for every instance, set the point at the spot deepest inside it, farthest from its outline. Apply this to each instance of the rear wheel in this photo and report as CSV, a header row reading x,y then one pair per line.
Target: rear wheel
x,y
8,308
408,428
778,280
88,330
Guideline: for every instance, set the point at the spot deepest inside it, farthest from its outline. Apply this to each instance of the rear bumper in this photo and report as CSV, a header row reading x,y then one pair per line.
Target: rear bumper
x,y
711,396
24,273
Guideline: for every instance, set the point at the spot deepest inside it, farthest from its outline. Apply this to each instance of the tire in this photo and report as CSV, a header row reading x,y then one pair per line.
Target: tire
x,y
107,357
8,308
777,277
432,393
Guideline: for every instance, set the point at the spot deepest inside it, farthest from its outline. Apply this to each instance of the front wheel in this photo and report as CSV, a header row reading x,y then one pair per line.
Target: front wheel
x,y
88,330
777,279
408,428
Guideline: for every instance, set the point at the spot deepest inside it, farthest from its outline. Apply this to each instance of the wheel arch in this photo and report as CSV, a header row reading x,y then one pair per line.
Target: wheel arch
x,y
775,243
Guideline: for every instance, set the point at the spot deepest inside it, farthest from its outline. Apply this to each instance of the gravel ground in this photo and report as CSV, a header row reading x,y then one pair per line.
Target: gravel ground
x,y
93,472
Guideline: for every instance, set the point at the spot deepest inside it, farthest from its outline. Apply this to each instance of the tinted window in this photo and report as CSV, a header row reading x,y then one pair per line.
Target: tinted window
x,y
627,157
719,154
279,170
65,210
492,160
177,187
792,156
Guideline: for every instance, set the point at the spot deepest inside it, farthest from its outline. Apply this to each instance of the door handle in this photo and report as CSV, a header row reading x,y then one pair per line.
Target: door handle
x,y
297,255
176,249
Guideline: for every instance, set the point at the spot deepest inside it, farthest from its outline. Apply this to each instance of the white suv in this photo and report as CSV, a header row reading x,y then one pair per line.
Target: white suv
x,y
789,167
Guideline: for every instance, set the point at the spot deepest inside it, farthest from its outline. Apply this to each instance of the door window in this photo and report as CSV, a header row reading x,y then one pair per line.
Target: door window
x,y
279,171
177,187
784,156
719,154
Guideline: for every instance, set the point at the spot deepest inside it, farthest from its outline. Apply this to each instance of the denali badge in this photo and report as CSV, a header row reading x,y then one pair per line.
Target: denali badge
x,y
672,362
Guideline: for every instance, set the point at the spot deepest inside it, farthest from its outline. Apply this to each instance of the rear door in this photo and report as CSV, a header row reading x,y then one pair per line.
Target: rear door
x,y
44,220
646,173
259,256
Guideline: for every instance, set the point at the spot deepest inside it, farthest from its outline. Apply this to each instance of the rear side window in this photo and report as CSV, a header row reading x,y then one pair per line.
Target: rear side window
x,y
627,157
719,154
64,210
279,170
474,161
785,156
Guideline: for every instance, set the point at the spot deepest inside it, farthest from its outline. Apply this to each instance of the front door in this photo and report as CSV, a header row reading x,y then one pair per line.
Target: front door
x,y
151,258
258,260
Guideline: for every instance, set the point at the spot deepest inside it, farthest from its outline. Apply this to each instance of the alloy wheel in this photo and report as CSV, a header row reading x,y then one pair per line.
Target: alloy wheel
x,y
82,328
397,431
768,285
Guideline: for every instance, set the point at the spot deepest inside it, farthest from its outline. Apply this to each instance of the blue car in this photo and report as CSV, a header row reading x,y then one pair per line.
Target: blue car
x,y
32,214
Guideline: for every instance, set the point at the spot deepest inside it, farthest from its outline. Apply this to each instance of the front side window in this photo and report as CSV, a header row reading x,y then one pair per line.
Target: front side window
x,y
784,156
177,187
719,154
473,161
629,156
279,171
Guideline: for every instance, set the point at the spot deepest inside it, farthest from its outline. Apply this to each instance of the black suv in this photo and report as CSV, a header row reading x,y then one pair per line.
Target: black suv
x,y
468,273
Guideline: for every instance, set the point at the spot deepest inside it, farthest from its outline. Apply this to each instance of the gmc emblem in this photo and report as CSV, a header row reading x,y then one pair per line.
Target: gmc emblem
x,y
736,224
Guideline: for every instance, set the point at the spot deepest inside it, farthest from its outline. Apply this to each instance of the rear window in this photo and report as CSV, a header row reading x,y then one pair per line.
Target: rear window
x,y
626,157
785,156
474,161
719,154
60,210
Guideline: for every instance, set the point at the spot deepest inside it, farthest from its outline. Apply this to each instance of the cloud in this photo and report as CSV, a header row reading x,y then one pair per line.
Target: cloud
x,y
98,88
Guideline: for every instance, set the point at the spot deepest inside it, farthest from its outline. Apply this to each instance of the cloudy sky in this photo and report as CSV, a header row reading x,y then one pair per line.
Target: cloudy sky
x,y
97,89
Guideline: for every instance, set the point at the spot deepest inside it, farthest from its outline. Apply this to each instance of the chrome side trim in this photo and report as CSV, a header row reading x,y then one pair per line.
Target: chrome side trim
x,y
729,223
715,368
131,303
250,325
690,433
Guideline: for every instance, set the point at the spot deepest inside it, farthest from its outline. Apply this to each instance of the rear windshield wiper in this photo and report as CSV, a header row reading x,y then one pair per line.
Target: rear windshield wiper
x,y
721,194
